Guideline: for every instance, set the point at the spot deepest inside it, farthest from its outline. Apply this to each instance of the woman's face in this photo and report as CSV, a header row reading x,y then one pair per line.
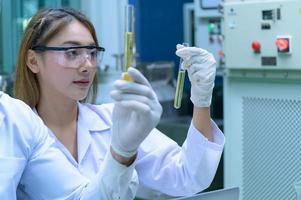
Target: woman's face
x,y
60,73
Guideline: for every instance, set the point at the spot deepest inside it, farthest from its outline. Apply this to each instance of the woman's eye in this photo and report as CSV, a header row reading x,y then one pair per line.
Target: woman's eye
x,y
93,53
71,54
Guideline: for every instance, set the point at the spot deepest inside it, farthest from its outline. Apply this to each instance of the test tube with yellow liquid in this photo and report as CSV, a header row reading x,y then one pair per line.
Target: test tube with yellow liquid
x,y
128,41
180,84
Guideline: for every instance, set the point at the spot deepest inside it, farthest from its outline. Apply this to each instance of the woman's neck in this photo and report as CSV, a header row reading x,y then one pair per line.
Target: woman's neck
x,y
60,116
58,112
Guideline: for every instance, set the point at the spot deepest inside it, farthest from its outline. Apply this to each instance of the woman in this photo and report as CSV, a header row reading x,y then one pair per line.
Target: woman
x,y
54,73
115,179
28,153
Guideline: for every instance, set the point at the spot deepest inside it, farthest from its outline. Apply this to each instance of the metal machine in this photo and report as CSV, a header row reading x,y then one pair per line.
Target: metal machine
x,y
208,27
262,99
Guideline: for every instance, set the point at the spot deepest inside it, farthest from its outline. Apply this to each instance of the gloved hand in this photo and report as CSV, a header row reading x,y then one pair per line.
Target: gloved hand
x,y
201,68
137,111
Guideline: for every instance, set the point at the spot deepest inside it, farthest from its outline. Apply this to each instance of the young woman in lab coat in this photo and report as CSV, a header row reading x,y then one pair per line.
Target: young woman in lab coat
x,y
29,154
55,75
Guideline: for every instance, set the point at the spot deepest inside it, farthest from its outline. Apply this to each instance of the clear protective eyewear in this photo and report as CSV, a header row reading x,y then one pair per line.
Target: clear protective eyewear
x,y
75,56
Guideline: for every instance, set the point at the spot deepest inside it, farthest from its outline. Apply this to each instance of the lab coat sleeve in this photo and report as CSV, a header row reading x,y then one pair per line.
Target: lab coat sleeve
x,y
1,118
48,174
12,160
179,171
209,154
115,180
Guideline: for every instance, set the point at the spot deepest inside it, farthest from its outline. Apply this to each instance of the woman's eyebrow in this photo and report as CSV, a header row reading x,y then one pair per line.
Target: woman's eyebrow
x,y
76,43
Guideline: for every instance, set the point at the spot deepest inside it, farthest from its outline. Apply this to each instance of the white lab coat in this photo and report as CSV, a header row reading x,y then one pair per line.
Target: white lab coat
x,y
27,152
162,165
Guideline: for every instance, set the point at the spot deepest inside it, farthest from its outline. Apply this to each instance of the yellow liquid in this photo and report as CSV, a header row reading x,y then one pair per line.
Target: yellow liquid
x,y
128,50
179,89
126,77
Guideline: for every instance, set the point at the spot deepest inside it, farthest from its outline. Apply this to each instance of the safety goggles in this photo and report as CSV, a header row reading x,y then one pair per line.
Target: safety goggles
x,y
75,56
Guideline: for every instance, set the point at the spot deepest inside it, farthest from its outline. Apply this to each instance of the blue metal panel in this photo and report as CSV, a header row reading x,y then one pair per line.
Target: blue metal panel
x,y
159,27
132,2
8,55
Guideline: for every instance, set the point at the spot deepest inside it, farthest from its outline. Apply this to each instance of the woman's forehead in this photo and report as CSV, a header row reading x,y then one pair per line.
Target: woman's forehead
x,y
73,33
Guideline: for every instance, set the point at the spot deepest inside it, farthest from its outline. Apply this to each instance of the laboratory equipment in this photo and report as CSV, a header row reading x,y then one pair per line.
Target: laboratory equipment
x,y
224,194
209,4
180,83
128,41
262,99
208,27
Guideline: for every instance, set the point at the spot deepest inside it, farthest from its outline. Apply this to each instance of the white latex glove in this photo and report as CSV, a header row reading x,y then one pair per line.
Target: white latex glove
x,y
201,68
137,111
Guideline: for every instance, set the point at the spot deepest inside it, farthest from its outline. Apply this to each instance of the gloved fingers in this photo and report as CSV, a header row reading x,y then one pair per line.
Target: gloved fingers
x,y
202,70
120,96
180,46
134,88
201,76
205,61
121,111
202,85
187,52
136,106
138,77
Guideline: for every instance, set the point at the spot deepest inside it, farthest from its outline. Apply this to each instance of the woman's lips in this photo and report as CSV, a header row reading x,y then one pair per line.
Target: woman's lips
x,y
82,83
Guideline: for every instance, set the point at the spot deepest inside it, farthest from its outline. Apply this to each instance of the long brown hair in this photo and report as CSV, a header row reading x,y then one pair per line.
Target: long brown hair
x,y
43,26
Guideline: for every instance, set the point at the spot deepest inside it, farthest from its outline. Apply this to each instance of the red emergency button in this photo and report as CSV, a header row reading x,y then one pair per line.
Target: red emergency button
x,y
256,46
282,44
221,53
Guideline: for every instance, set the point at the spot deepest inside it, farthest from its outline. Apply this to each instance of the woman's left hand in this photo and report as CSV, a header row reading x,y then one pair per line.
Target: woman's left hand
x,y
201,68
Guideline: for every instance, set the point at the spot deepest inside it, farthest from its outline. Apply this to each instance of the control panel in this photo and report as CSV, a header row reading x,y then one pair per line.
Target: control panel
x,y
262,34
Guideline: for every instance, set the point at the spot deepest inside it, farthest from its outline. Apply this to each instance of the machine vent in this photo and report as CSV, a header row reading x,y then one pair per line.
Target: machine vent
x,y
271,148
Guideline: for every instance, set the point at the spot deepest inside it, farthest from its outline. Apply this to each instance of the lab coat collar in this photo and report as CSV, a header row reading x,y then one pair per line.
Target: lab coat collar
x,y
88,123
91,119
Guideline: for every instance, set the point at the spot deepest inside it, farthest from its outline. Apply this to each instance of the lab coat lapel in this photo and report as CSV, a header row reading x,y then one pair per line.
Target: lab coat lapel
x,y
83,134
88,122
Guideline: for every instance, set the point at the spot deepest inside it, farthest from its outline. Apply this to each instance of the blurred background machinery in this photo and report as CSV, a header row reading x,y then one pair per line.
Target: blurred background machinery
x,y
14,17
262,100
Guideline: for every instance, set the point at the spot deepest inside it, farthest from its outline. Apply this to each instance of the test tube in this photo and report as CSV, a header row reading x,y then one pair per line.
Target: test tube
x,y
180,84
128,41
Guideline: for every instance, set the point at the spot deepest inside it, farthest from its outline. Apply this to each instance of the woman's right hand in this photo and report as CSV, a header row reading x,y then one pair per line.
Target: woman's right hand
x,y
136,112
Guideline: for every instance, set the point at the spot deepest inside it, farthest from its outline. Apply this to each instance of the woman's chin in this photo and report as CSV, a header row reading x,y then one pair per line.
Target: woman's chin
x,y
80,97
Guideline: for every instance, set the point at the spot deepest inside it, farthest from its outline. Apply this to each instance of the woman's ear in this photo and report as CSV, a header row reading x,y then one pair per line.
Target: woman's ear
x,y
32,61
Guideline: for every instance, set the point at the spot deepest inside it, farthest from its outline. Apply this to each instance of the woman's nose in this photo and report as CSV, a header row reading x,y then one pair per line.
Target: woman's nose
x,y
87,60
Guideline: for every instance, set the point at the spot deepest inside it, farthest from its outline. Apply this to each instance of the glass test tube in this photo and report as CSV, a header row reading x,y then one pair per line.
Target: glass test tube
x,y
128,41
180,84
